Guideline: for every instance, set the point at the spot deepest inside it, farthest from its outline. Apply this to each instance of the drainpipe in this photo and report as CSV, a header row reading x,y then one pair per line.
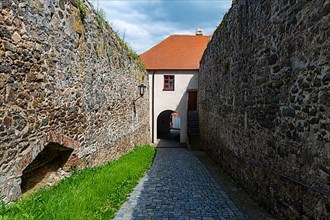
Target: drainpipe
x,y
153,107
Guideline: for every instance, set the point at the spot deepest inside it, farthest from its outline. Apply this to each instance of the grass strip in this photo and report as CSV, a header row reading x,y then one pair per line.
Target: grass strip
x,y
92,193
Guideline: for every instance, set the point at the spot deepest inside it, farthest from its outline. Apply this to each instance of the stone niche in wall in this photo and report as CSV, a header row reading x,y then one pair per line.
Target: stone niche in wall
x,y
50,160
48,167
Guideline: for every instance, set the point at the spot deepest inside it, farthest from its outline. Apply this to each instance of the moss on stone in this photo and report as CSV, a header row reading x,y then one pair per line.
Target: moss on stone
x,y
76,22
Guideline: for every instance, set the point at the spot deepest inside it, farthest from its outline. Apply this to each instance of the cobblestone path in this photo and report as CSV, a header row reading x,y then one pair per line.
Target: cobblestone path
x,y
178,186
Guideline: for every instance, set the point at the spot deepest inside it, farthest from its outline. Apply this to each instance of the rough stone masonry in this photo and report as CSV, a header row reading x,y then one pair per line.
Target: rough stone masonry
x,y
65,78
264,103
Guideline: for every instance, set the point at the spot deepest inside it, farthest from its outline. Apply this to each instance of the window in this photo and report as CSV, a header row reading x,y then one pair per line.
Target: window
x,y
169,83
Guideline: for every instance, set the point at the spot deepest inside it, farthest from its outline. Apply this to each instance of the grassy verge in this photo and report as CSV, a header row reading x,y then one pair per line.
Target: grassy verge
x,y
93,193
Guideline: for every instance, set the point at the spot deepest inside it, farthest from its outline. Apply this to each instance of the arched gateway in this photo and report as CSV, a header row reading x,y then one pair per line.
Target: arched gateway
x,y
169,125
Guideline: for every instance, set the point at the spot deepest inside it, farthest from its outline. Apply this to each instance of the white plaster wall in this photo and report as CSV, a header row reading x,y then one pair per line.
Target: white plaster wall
x,y
176,100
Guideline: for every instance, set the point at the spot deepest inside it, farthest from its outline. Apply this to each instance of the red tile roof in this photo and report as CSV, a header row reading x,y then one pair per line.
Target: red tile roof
x,y
177,52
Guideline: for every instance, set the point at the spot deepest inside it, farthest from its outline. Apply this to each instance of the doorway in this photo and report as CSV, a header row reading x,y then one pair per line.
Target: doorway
x,y
192,100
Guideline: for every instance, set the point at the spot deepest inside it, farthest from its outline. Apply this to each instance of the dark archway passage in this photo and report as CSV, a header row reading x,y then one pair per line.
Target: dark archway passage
x,y
168,125
48,161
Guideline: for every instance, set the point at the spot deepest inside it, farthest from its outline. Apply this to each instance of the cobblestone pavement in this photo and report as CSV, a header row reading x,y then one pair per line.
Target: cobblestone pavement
x,y
178,186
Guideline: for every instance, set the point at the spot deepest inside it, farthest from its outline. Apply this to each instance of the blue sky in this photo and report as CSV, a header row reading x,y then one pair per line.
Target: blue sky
x,y
145,23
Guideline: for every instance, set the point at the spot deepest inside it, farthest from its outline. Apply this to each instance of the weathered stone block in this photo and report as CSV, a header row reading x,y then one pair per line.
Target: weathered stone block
x,y
288,112
5,69
16,37
9,46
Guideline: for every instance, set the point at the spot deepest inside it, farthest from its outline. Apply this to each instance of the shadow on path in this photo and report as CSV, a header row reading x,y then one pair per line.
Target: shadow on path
x,y
169,140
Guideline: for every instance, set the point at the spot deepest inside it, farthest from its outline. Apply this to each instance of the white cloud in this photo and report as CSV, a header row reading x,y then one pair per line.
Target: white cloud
x,y
146,23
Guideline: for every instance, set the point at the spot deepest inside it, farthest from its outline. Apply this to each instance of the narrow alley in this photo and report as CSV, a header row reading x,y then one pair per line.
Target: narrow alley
x,y
178,186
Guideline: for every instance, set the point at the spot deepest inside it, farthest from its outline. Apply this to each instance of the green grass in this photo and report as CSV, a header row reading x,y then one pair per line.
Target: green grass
x,y
93,193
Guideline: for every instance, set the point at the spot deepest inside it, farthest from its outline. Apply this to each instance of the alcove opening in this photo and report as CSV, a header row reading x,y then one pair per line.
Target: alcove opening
x,y
168,125
48,161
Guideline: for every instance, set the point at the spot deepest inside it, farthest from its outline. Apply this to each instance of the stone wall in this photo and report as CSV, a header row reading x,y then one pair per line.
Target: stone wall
x,y
65,78
264,103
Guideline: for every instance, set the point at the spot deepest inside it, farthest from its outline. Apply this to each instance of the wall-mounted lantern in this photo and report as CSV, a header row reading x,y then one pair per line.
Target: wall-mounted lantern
x,y
141,90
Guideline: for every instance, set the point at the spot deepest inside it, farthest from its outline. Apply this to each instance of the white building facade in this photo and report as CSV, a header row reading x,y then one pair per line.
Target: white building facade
x,y
173,67
176,100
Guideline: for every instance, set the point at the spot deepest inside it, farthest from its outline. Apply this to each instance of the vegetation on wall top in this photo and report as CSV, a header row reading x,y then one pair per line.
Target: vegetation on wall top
x,y
82,9
225,17
101,16
132,54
